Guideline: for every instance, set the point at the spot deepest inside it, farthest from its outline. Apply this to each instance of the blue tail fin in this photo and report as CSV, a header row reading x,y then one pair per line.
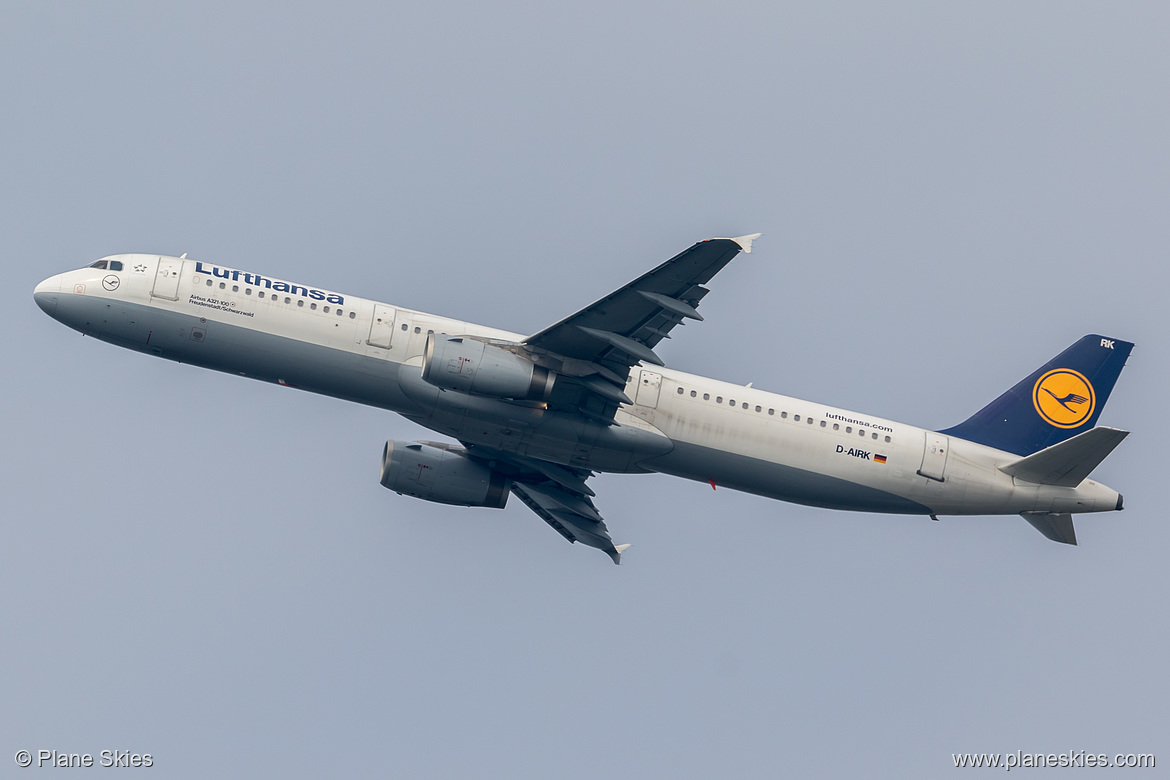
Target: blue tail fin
x,y
1056,402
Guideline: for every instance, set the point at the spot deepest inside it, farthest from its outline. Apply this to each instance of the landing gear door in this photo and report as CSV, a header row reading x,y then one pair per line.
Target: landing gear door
x,y
649,385
381,326
166,278
934,456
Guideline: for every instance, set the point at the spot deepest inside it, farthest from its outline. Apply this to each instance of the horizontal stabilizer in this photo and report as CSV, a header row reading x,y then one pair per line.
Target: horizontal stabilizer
x,y
1068,463
1057,527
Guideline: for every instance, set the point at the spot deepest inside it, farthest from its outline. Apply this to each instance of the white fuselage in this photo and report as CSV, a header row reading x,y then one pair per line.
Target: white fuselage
x,y
681,424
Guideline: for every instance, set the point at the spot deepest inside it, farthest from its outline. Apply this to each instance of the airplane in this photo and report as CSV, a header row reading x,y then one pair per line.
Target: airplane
x,y
536,416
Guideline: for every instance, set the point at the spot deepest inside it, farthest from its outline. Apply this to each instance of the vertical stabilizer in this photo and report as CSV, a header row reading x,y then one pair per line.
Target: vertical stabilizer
x,y
1057,401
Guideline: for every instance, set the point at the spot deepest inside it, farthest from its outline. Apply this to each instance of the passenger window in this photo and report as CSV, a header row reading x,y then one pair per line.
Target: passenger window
x,y
836,427
718,399
247,291
784,415
288,300
261,293
404,326
875,436
887,440
115,265
313,306
796,418
744,405
222,286
706,396
301,302
758,409
823,423
693,394
417,329
771,411
208,282
731,401
326,310
339,312
810,421
680,391
848,429
861,433
352,314
235,288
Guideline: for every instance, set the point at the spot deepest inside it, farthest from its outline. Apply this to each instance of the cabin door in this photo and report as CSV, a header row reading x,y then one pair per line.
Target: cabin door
x,y
166,278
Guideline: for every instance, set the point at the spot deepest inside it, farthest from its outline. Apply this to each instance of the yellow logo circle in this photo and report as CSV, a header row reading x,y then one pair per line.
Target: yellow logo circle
x,y
1064,398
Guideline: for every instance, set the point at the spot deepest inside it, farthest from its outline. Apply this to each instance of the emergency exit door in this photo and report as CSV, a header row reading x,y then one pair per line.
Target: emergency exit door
x,y
649,385
381,326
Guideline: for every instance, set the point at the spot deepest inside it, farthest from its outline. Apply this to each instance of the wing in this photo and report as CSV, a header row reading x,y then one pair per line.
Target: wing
x,y
557,494
599,344
572,515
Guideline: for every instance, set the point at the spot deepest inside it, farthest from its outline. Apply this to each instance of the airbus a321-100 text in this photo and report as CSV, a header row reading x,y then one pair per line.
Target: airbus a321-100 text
x,y
535,416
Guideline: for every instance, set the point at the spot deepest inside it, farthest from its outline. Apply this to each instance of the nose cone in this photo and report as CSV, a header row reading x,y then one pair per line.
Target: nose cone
x,y
46,294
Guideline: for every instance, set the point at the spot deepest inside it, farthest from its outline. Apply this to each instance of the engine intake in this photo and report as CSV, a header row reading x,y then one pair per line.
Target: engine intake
x,y
472,366
441,474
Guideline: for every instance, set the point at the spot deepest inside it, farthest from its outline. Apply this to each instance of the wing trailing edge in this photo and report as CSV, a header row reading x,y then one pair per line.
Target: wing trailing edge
x,y
571,515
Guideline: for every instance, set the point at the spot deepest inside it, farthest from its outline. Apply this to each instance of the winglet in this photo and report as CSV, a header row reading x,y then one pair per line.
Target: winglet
x,y
617,552
745,242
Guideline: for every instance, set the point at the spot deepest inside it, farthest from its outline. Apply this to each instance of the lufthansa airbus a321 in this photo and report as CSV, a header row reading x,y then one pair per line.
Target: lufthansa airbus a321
x,y
535,416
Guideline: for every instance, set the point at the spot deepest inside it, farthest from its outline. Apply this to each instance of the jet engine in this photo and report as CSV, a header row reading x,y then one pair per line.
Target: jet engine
x,y
437,472
472,366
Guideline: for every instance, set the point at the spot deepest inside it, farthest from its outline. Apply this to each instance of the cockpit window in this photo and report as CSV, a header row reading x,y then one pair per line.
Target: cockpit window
x,y
99,264
115,265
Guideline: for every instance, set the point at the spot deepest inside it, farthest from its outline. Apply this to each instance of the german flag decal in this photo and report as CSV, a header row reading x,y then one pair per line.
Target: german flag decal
x,y
879,458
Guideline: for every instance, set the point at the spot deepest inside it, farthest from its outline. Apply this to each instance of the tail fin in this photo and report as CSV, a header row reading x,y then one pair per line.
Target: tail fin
x,y
1062,398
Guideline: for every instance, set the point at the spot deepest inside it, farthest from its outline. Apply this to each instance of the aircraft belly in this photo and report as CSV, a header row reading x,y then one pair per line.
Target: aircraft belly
x,y
777,480
249,352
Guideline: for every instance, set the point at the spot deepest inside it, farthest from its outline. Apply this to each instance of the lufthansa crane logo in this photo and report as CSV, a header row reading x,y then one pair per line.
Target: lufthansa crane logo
x,y
1064,398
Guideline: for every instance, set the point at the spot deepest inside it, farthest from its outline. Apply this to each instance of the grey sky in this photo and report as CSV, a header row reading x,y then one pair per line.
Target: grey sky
x,y
206,569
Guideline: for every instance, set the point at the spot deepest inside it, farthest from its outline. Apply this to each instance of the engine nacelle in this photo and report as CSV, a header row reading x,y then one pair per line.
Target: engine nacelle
x,y
472,366
446,476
